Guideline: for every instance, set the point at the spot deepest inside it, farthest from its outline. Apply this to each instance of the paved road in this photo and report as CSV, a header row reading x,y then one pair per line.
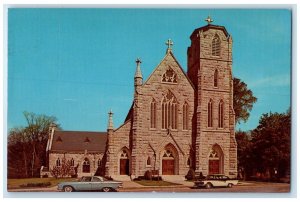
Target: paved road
x,y
243,188
260,187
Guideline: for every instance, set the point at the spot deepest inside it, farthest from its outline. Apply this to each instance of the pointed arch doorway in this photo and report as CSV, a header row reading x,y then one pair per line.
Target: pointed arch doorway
x,y
124,162
215,162
169,160
168,163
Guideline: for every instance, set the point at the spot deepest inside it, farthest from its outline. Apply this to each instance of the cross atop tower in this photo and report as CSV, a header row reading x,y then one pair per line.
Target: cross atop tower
x,y
138,61
169,43
110,125
209,20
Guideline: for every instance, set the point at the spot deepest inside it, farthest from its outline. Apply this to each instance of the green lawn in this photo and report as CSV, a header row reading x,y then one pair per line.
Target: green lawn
x,y
15,183
155,183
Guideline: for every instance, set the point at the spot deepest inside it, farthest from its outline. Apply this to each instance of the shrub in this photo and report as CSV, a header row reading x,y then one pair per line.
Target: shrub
x,y
190,175
38,184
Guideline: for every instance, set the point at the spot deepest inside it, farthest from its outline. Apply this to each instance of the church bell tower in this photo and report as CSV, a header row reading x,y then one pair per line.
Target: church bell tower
x,y
210,70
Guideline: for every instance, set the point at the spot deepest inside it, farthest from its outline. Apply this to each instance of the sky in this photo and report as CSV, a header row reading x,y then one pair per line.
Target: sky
x,y
77,64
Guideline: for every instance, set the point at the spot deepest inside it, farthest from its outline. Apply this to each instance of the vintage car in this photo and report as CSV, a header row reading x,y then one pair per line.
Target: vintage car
x,y
91,183
217,180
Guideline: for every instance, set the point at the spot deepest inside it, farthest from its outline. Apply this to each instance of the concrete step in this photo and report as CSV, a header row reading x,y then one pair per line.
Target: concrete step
x,y
121,178
173,178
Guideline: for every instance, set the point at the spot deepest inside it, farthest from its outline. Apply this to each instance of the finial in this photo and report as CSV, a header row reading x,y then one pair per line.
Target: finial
x,y
169,43
209,20
138,72
138,61
110,120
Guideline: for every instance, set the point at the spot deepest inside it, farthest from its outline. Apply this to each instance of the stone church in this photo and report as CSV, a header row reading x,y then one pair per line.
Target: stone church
x,y
177,121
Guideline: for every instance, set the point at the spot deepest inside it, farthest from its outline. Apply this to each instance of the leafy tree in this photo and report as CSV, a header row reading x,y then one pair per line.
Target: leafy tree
x,y
272,142
244,154
243,100
27,145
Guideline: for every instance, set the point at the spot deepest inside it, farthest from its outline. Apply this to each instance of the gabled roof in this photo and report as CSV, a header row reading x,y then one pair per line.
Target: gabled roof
x,y
172,55
79,141
210,26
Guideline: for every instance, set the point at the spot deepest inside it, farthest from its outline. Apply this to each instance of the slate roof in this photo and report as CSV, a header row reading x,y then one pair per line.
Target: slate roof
x,y
79,141
209,26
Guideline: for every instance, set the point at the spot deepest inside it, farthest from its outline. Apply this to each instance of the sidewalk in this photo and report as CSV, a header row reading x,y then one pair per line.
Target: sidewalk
x,y
39,189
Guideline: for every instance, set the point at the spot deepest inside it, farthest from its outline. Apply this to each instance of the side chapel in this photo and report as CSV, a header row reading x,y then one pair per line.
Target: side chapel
x,y
177,120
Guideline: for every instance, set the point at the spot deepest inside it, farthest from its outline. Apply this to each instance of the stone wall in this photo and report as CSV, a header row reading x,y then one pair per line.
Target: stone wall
x,y
78,160
117,141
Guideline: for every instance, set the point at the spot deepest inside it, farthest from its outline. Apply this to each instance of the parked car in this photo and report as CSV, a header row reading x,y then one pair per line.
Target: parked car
x,y
217,180
94,183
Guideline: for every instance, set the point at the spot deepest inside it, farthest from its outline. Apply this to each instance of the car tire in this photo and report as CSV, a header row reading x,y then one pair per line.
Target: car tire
x,y
68,189
230,185
208,186
106,189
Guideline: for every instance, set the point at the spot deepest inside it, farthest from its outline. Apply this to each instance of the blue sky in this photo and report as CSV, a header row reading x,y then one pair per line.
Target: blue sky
x,y
77,64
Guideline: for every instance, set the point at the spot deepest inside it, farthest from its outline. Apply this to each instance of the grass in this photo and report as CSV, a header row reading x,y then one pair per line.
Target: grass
x,y
18,183
155,183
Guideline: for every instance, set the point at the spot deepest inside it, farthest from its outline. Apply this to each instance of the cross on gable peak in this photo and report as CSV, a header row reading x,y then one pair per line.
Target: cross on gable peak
x,y
169,43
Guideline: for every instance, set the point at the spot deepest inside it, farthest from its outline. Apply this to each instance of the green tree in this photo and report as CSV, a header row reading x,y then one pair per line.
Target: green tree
x,y
271,142
27,146
244,154
243,100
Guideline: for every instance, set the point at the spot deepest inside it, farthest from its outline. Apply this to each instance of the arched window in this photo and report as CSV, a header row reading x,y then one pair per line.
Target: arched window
x,y
86,166
148,161
185,116
169,111
58,162
216,43
216,74
209,114
188,162
153,114
221,114
72,162
99,162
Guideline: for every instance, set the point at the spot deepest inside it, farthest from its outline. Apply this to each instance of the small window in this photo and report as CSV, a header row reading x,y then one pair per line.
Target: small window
x,y
188,163
58,162
72,162
87,140
148,161
58,139
209,114
221,114
216,74
86,166
185,116
153,114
